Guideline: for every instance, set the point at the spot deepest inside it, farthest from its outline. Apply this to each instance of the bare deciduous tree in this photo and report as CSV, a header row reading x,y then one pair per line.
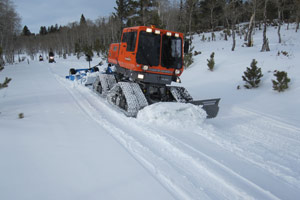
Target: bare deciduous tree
x,y
248,36
297,13
9,26
232,12
265,46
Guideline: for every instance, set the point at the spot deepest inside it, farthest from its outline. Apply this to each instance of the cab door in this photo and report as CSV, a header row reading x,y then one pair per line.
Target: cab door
x,y
128,46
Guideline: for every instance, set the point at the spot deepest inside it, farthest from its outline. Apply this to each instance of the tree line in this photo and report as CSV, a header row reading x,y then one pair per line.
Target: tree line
x,y
187,16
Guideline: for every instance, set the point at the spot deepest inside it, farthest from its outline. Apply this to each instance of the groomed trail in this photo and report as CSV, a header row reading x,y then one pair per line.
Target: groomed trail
x,y
72,144
246,155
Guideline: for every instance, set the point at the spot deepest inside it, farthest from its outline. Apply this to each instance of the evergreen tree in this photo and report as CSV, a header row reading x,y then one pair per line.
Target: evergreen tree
x,y
26,31
52,29
211,61
88,51
252,75
97,46
143,9
210,13
43,30
82,21
5,83
281,82
122,11
188,57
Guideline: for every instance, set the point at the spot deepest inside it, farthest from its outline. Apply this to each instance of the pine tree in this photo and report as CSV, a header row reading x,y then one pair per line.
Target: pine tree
x,y
88,51
26,31
122,11
252,76
43,30
143,9
281,82
97,46
188,57
82,20
211,61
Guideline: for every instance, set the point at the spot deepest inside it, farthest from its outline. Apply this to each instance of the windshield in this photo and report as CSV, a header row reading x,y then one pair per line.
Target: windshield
x,y
171,52
148,49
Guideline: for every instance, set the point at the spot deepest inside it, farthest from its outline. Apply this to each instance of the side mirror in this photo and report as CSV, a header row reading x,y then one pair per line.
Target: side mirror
x,y
186,46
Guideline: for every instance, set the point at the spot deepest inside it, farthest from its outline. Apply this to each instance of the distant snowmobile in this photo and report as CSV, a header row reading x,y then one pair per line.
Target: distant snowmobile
x,y
41,58
51,57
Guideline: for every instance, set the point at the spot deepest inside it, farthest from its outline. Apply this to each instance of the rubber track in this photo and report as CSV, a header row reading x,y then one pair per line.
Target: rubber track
x,y
181,94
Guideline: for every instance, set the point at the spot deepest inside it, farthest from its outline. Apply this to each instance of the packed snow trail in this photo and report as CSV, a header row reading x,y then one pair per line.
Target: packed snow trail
x,y
193,165
71,139
57,151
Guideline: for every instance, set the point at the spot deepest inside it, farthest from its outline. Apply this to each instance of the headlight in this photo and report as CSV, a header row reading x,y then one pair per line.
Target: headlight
x,y
157,32
177,71
51,57
140,76
145,67
178,80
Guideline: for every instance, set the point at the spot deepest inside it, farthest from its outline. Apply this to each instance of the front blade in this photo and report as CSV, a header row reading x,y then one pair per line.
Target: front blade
x,y
211,106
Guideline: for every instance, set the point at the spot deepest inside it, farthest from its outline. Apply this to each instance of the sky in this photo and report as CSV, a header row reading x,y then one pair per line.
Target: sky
x,y
37,13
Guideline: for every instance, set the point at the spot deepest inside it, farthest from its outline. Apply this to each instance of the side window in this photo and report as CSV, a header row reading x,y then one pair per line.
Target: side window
x,y
130,39
124,39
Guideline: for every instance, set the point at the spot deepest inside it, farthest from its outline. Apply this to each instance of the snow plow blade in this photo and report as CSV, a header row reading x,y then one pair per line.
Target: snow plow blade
x,y
211,106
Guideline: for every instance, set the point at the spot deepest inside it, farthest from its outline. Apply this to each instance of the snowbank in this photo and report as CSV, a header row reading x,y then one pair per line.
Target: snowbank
x,y
178,115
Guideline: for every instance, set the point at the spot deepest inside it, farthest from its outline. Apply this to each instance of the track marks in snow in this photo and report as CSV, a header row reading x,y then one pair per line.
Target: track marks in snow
x,y
266,143
278,141
186,171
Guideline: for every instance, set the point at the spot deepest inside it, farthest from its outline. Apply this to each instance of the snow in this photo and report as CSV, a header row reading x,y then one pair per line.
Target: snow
x,y
179,115
72,144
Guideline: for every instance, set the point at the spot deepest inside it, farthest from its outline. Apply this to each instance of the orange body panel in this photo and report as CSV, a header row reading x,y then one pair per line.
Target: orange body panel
x,y
118,55
113,53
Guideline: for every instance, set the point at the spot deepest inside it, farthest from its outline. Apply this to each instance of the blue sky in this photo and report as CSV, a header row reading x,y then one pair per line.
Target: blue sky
x,y
37,13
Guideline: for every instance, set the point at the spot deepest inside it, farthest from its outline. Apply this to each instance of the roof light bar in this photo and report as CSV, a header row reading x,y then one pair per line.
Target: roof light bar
x,y
149,30
176,34
169,34
157,32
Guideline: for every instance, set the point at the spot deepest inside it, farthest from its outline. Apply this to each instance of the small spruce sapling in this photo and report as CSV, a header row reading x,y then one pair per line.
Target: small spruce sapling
x,y
188,57
211,61
252,75
281,82
21,115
